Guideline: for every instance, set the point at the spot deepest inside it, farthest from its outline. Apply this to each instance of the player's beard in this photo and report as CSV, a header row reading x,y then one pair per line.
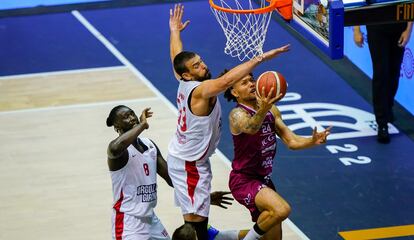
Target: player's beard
x,y
206,76
251,97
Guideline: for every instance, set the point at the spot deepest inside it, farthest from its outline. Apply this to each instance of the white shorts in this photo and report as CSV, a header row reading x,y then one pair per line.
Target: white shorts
x,y
138,228
192,184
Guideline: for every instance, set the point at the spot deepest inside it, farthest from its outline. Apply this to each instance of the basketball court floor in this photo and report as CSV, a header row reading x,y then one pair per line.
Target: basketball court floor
x,y
62,73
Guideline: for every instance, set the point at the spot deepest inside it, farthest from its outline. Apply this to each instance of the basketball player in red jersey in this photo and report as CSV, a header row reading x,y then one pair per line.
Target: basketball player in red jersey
x,y
198,128
254,124
134,163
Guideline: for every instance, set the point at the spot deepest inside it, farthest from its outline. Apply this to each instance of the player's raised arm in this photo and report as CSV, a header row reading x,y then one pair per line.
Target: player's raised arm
x,y
121,143
214,87
176,26
242,122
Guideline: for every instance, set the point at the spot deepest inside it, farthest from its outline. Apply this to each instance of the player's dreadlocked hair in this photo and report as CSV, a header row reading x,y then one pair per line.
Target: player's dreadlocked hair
x,y
111,118
227,93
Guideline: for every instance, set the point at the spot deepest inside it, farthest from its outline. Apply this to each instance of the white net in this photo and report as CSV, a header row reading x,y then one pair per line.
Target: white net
x,y
245,32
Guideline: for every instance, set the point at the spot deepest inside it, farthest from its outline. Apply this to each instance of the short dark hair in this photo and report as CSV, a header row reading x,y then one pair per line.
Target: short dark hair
x,y
111,118
227,93
185,232
180,60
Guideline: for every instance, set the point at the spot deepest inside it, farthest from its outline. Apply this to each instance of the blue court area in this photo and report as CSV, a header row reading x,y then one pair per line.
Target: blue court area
x,y
351,183
47,43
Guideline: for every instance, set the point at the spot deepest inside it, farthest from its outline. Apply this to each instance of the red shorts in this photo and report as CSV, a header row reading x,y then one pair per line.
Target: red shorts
x,y
244,189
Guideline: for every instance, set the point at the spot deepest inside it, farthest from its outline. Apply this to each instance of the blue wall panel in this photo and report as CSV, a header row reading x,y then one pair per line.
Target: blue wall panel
x,y
362,58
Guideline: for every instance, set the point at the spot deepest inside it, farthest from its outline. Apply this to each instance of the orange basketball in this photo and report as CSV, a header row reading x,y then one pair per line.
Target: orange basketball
x,y
271,79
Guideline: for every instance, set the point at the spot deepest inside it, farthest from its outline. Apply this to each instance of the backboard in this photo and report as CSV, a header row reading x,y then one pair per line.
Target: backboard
x,y
321,22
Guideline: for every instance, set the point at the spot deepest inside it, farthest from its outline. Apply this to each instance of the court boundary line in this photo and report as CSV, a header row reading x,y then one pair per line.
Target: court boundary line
x,y
63,72
83,105
128,64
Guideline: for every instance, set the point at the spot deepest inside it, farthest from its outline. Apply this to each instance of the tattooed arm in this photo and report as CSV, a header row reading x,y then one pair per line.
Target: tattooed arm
x,y
243,122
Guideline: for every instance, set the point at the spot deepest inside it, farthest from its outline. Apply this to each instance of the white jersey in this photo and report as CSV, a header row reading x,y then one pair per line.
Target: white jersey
x,y
196,136
134,186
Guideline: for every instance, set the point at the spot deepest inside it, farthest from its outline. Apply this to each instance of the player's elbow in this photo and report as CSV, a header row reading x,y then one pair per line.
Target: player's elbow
x,y
293,148
292,145
213,90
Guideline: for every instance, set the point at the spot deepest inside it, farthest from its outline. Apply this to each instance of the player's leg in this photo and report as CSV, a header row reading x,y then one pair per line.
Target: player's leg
x,y
242,234
274,233
158,231
199,223
215,234
266,207
192,185
199,187
131,228
273,210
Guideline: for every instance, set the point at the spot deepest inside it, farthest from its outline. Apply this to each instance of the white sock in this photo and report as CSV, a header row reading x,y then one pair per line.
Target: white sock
x,y
227,235
252,235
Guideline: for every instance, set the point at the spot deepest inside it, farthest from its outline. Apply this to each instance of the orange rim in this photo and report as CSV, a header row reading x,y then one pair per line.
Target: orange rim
x,y
269,8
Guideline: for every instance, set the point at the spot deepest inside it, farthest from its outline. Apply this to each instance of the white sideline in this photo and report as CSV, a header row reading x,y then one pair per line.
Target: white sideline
x,y
83,105
85,70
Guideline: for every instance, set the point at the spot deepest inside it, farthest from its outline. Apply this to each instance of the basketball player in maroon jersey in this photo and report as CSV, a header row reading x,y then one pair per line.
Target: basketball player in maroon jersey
x,y
199,124
134,163
254,124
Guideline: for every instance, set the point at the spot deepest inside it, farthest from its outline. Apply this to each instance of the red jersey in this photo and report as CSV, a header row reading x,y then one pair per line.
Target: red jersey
x,y
253,154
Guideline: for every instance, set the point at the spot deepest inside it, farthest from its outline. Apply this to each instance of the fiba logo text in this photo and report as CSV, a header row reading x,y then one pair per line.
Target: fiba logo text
x,y
408,64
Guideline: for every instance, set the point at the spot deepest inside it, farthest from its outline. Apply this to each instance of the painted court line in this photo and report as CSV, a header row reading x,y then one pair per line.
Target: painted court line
x,y
127,63
85,70
379,233
83,105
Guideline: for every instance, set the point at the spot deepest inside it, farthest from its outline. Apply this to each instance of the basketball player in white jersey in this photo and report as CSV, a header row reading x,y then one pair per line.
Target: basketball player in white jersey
x,y
134,163
199,122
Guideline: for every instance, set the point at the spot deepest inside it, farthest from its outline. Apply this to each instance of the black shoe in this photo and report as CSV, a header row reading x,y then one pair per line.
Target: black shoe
x,y
383,135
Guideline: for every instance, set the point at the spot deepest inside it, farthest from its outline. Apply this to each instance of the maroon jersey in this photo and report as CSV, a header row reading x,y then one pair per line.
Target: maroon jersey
x,y
253,154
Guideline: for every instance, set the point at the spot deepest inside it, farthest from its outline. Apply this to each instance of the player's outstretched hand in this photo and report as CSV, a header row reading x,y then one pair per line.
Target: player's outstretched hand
x,y
146,113
176,16
219,198
275,52
320,137
266,102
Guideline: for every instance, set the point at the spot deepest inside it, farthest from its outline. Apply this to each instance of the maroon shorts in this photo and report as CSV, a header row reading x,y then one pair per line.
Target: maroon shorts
x,y
244,189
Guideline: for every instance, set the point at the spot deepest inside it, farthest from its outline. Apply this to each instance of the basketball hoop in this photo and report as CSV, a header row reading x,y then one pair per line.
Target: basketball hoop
x,y
245,26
